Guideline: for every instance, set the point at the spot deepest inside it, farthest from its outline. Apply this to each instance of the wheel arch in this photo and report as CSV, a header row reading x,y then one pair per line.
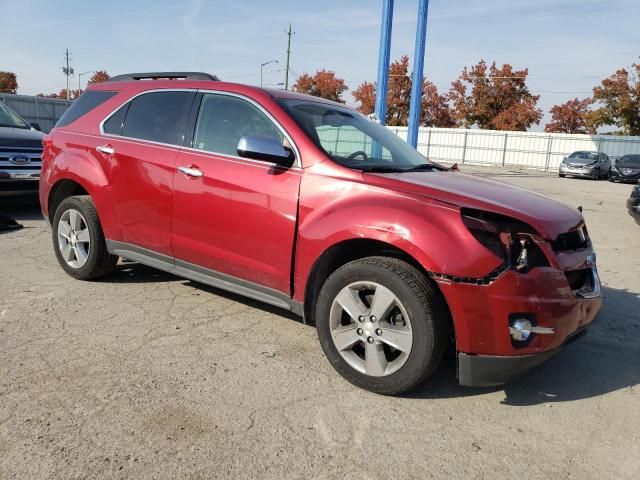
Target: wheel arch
x,y
61,189
348,250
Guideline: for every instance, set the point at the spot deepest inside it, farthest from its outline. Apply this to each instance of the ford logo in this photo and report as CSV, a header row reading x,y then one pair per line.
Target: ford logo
x,y
19,159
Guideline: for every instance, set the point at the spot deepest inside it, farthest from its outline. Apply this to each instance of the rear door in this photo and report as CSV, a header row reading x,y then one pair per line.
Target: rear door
x,y
239,216
141,142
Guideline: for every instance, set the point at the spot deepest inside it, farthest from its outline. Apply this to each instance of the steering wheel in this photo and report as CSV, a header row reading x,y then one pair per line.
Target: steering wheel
x,y
359,153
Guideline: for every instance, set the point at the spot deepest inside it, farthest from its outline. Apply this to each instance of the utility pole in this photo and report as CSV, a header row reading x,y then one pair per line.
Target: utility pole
x,y
286,70
67,70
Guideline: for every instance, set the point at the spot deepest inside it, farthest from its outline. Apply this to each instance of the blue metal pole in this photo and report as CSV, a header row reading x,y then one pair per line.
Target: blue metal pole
x,y
416,79
383,61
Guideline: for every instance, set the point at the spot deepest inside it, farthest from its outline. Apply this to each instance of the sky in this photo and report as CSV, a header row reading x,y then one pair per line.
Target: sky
x,y
568,45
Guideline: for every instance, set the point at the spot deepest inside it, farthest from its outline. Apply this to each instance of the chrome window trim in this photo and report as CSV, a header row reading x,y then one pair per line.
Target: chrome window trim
x,y
297,164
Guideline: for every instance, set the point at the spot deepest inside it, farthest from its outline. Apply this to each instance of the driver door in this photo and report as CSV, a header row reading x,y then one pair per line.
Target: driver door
x,y
233,215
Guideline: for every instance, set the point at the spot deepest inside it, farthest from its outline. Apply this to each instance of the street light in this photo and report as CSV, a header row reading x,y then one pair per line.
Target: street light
x,y
80,76
262,65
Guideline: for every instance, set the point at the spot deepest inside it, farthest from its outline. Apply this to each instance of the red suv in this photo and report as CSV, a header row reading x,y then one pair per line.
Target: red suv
x,y
306,204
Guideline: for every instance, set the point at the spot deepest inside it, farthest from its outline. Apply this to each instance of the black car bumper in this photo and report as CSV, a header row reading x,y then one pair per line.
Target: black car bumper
x,y
619,177
633,205
491,370
18,187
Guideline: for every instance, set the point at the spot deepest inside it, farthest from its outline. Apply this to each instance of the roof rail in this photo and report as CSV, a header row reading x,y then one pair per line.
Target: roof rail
x,y
164,75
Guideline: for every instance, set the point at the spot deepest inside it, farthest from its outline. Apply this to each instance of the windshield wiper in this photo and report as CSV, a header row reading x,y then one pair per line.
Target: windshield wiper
x,y
423,167
382,169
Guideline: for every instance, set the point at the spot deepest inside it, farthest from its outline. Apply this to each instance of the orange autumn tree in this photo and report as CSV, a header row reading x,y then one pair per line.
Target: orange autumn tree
x,y
495,98
8,82
99,77
434,112
570,117
323,84
618,102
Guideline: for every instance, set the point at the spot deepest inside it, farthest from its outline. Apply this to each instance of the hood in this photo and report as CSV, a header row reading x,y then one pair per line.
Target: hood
x,y
549,217
629,171
20,137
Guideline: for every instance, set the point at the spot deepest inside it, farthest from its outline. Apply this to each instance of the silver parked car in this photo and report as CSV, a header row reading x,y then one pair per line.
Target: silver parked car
x,y
593,165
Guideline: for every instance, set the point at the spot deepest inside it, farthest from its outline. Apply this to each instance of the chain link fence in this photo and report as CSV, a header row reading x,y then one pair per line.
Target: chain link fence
x,y
534,150
36,110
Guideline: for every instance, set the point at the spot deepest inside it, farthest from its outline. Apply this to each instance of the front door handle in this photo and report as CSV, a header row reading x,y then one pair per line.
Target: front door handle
x,y
191,171
106,149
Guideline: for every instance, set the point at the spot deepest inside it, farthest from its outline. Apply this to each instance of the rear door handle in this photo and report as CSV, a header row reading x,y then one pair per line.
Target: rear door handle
x,y
106,149
191,171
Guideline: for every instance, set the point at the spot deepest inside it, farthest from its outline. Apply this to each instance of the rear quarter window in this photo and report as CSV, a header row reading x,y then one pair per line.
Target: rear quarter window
x,y
83,105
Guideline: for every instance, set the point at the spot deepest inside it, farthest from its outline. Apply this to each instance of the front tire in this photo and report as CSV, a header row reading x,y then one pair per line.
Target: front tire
x,y
78,240
382,324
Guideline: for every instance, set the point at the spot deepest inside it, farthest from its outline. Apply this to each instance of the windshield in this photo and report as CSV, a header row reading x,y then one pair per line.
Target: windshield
x,y
629,161
583,157
352,140
9,118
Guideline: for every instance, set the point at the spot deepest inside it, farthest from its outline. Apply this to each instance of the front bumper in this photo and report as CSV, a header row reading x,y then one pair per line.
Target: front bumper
x,y
618,177
493,370
549,297
15,186
577,172
633,205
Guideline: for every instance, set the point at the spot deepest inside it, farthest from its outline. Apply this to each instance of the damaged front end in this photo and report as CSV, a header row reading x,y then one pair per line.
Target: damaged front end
x,y
544,293
514,242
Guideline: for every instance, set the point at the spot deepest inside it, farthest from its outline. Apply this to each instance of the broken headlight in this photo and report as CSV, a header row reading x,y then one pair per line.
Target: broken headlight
x,y
509,239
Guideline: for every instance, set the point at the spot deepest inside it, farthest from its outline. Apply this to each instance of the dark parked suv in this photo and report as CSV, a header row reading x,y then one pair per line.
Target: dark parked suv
x,y
306,204
20,151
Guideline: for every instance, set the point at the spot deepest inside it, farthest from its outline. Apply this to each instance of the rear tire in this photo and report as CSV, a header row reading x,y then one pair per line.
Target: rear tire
x,y
366,358
78,240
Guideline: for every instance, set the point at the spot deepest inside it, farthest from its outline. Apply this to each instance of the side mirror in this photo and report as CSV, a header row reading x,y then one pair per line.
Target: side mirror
x,y
263,148
36,126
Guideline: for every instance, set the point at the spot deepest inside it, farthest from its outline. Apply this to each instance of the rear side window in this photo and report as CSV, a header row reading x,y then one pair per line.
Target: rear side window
x,y
114,123
83,105
158,116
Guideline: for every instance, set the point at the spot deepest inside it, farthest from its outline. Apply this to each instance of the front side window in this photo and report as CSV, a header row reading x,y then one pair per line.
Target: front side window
x,y
9,118
352,140
223,120
158,116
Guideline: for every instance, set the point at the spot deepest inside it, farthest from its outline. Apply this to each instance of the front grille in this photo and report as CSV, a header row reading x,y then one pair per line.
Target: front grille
x,y
580,278
574,240
34,154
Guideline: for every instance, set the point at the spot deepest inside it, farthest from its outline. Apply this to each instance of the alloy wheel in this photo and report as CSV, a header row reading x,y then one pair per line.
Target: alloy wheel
x,y
370,328
74,240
